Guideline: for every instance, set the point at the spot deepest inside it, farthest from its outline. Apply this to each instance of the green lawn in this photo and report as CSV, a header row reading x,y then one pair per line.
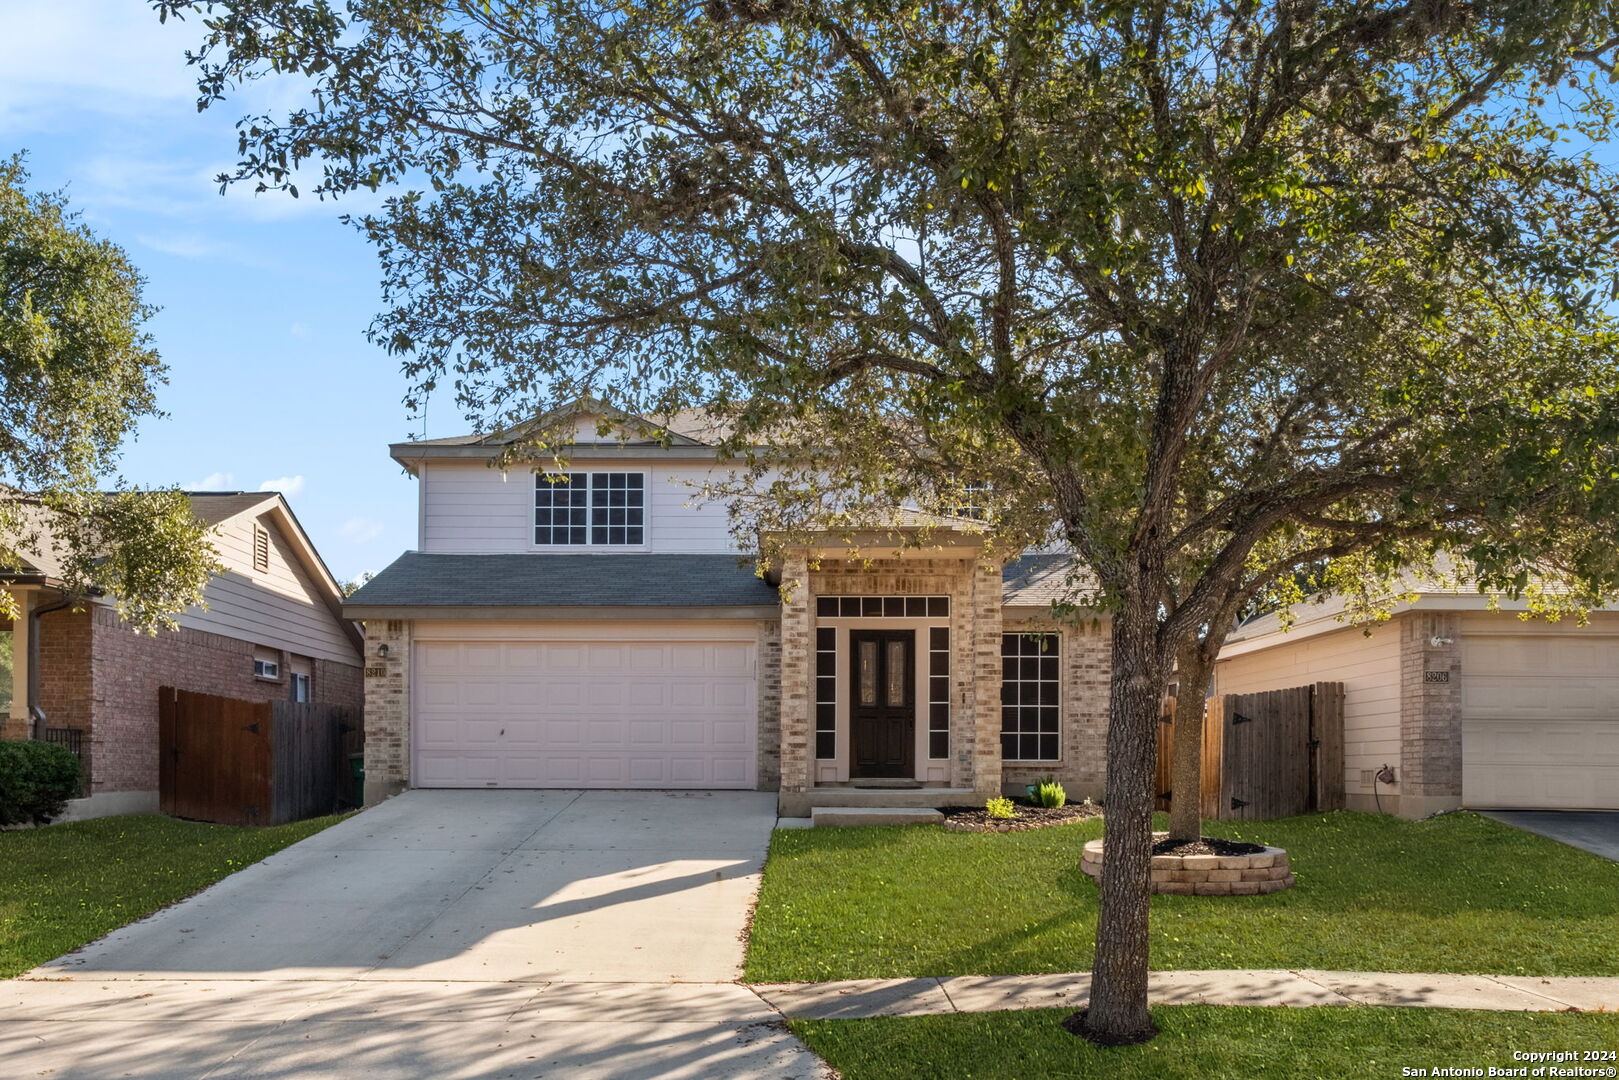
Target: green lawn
x,y
65,885
1202,1041
1455,893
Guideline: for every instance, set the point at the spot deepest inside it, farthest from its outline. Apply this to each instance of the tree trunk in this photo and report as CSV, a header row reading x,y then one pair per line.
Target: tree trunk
x,y
1118,1012
1186,778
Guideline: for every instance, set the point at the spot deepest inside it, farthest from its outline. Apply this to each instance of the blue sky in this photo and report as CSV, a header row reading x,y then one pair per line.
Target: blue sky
x,y
265,298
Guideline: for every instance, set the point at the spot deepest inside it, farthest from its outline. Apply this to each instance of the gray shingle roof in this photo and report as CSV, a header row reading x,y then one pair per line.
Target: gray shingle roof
x,y
212,507
1039,580
627,579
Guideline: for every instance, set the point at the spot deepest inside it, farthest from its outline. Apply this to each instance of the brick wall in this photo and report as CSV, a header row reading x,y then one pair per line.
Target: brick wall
x,y
1086,664
797,716
127,669
975,662
387,708
64,679
768,669
1430,712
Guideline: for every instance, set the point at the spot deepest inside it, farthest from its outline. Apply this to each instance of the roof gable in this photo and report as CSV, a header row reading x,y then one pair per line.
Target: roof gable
x,y
590,417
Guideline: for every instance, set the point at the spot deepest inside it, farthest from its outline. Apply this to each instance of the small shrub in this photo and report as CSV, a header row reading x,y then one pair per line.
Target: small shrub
x,y
36,781
1000,808
1049,794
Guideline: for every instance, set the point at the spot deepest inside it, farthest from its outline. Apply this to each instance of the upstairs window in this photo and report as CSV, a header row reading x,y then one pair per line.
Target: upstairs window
x,y
601,508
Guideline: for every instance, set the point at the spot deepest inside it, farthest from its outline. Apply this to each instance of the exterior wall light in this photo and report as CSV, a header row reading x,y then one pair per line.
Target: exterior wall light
x,y
382,650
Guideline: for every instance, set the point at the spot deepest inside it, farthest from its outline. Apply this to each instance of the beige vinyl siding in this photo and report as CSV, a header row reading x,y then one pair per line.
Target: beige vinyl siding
x,y
468,508
1369,668
281,608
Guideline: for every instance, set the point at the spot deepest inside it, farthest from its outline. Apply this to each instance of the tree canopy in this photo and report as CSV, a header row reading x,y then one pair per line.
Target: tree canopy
x,y
1214,293
77,373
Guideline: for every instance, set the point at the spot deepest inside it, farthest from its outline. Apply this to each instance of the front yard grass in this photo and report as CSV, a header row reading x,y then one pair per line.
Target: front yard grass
x,y
63,886
1456,893
1200,1041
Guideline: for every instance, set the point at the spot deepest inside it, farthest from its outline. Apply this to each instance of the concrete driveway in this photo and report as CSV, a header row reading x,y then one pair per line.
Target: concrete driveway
x,y
441,934
1596,831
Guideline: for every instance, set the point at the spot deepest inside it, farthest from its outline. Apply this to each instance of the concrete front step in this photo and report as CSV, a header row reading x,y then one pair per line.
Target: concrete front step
x,y
800,803
841,816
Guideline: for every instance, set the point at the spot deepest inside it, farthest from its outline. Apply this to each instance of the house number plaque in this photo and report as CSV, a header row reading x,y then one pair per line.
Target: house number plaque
x,y
1436,676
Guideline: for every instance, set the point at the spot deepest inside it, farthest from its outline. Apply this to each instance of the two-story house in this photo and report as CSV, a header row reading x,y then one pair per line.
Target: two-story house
x,y
601,628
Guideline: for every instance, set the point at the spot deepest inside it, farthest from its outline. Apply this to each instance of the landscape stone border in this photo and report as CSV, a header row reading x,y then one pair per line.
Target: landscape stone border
x,y
1207,875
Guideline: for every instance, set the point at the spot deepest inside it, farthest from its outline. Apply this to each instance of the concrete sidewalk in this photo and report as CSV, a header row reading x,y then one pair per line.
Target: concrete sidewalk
x,y
90,1026
988,993
85,1028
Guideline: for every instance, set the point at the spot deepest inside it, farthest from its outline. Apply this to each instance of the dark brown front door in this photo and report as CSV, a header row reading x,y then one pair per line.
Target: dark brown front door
x,y
882,703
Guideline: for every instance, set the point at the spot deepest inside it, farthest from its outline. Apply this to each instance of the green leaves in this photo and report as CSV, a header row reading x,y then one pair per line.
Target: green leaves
x,y
1215,280
77,373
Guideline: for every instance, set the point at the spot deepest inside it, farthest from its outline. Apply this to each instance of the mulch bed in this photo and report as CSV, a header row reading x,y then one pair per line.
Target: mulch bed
x,y
1208,845
1029,816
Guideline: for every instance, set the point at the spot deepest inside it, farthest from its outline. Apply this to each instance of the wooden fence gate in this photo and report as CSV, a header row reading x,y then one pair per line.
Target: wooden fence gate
x,y
1265,755
251,762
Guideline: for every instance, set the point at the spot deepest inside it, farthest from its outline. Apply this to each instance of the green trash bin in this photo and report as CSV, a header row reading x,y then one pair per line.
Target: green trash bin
x,y
357,779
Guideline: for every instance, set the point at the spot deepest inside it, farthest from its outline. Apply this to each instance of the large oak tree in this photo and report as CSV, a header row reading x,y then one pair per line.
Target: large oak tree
x,y
78,372
1213,292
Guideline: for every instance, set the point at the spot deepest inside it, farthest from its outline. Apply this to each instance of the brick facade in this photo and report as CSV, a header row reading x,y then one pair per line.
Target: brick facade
x,y
767,658
97,675
387,708
975,661
797,721
785,659
1085,653
1430,713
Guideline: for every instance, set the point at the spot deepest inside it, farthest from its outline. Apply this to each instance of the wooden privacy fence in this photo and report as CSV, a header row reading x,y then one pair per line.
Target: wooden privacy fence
x,y
252,762
1265,755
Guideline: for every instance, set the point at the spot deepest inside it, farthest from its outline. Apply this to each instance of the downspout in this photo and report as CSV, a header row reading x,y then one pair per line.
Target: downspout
x,y
34,710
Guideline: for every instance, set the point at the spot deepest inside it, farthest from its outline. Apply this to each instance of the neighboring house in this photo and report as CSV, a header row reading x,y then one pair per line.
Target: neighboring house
x,y
1469,707
273,629
607,632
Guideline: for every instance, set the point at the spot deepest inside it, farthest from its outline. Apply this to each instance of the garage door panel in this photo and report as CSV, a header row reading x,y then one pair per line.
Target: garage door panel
x,y
563,657
1540,721
730,734
645,694
563,770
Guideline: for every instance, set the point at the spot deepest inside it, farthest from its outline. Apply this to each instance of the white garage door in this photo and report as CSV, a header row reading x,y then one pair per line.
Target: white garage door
x,y
1540,721
602,713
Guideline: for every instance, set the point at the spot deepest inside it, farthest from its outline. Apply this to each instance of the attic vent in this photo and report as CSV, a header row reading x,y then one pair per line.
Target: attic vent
x,y
261,549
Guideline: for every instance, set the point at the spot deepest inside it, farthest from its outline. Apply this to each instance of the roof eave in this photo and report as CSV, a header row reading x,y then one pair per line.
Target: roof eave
x,y
538,612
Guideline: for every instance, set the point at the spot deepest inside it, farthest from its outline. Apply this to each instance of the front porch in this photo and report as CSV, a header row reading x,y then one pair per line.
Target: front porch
x,y
890,677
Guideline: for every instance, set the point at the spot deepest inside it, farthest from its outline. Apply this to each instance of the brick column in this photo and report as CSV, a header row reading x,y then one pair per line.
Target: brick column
x,y
387,709
983,623
768,688
797,653
1430,764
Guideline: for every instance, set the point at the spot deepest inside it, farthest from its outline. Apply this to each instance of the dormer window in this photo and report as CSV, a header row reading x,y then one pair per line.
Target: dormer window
x,y
598,508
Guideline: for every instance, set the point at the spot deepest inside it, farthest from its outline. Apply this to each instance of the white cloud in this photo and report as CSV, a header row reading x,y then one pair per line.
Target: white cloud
x,y
299,331
286,485
214,481
186,246
108,56
360,530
